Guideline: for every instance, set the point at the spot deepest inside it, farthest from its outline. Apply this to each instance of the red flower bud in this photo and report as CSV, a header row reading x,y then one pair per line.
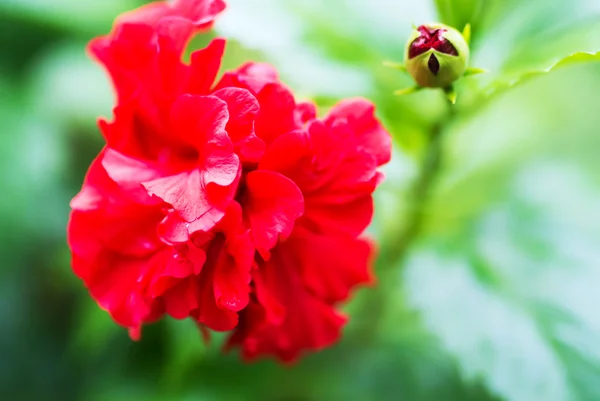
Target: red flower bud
x,y
436,55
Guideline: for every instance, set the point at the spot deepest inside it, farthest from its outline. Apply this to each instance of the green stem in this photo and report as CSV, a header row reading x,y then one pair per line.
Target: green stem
x,y
394,251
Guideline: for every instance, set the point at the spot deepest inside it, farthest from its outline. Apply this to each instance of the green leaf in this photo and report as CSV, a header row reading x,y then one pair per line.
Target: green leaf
x,y
53,77
459,13
91,16
93,331
516,301
506,272
25,180
568,61
186,348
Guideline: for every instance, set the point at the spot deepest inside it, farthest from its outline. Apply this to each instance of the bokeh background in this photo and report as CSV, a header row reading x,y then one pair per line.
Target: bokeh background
x,y
488,224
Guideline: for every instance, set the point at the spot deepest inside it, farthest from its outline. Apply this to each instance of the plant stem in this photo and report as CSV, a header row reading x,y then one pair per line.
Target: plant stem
x,y
396,248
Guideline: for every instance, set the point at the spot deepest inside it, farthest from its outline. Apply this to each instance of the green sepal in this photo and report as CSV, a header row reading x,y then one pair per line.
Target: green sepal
x,y
407,91
395,65
467,33
450,94
474,71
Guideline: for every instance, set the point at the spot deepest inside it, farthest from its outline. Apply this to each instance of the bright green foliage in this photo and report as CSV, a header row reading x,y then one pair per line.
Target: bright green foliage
x,y
488,275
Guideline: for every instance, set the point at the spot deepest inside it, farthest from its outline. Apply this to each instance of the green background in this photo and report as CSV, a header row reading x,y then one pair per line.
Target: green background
x,y
488,223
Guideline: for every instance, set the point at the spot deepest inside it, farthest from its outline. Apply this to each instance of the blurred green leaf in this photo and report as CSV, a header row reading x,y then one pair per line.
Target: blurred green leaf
x,y
186,348
459,13
506,272
93,331
80,16
516,307
570,60
25,180
53,76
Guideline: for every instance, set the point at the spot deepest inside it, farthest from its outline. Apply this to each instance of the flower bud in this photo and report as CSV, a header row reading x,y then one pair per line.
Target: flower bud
x,y
436,55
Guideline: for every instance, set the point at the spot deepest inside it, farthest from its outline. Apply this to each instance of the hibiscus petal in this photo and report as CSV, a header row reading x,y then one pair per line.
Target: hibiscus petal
x,y
308,323
184,191
185,261
115,217
349,218
173,35
174,264
305,112
214,317
135,129
231,280
173,229
273,203
201,12
182,299
278,111
217,275
197,120
112,282
243,109
205,64
97,185
146,14
225,279
220,167
223,290
277,107
370,134
251,76
291,155
127,55
345,172
129,173
335,264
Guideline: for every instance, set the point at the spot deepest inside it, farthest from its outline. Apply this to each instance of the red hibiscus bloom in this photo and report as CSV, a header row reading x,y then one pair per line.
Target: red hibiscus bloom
x,y
228,202
297,286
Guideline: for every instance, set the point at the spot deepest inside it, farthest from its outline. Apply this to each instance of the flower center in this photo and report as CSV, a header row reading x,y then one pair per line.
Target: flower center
x,y
431,38
189,153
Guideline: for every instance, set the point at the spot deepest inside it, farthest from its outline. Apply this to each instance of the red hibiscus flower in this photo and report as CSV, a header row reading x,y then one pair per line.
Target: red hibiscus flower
x,y
226,202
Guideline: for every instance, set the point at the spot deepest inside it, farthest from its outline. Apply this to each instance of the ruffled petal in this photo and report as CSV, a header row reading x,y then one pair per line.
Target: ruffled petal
x,y
292,156
335,264
337,218
370,134
112,280
184,191
277,112
130,173
205,64
118,220
232,270
208,278
302,321
251,76
272,204
304,113
243,109
198,121
201,13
